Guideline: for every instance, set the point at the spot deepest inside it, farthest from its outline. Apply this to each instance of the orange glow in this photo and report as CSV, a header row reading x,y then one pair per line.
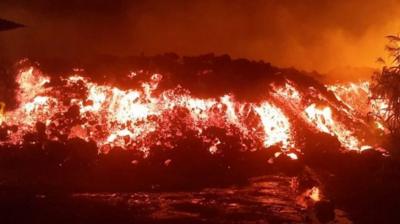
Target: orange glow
x,y
137,119
214,147
356,95
129,118
293,156
314,194
288,91
323,120
2,108
321,117
276,125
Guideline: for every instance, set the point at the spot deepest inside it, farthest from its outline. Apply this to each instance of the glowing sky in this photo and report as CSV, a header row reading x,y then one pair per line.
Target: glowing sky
x,y
307,34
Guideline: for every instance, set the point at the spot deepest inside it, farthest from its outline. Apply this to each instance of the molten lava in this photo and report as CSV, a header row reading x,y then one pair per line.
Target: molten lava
x,y
138,119
358,98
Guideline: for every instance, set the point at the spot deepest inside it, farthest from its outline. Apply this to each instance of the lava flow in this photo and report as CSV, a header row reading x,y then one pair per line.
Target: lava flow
x,y
358,97
142,118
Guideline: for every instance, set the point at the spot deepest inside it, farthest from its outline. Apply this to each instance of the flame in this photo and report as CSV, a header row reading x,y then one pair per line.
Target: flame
x,y
293,156
288,91
138,119
323,120
276,125
135,119
314,194
214,147
2,108
357,96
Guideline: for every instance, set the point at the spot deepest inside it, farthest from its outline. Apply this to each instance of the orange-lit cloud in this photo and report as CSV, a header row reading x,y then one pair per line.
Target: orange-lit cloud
x,y
307,34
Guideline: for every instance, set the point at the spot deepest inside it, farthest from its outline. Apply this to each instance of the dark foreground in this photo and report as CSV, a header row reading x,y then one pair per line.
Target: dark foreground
x,y
361,187
268,199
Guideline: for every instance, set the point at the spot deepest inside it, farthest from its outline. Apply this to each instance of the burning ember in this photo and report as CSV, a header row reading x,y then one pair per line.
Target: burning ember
x,y
143,118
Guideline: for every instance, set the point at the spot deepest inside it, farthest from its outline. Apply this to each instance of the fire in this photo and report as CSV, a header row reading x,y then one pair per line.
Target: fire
x,y
323,120
31,84
314,194
309,197
135,119
2,108
276,125
214,147
293,156
357,96
353,95
138,119
289,92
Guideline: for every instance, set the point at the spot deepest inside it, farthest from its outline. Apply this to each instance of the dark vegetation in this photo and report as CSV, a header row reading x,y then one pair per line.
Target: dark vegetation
x,y
367,185
386,87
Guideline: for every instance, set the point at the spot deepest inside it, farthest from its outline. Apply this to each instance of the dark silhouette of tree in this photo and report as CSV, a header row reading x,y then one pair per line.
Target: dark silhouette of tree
x,y
386,86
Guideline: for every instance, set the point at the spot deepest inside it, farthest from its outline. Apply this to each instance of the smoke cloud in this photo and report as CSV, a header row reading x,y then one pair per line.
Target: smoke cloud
x,y
311,35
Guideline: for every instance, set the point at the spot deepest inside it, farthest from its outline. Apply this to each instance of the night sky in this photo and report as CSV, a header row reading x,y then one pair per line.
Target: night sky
x,y
311,35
